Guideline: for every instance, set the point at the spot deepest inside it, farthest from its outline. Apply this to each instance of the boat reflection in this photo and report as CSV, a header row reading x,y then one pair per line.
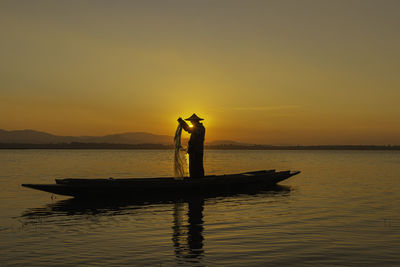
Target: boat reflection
x,y
187,224
77,206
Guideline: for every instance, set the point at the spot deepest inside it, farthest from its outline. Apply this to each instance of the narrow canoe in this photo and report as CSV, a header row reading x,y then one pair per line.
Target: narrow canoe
x,y
142,187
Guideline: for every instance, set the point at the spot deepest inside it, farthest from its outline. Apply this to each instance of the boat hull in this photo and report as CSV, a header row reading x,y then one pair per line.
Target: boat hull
x,y
152,187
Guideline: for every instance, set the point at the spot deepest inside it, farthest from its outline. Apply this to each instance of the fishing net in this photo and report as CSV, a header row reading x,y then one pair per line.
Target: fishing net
x,y
179,157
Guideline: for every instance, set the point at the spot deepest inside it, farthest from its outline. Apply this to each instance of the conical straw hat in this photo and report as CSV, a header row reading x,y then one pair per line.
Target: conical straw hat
x,y
194,117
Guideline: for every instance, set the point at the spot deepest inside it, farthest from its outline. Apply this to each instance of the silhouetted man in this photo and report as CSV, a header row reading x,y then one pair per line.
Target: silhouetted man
x,y
196,145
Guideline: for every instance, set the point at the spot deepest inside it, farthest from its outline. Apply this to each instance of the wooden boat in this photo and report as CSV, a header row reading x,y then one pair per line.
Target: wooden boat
x,y
145,187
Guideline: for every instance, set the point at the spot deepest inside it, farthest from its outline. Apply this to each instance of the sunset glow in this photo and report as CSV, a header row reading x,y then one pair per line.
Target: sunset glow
x,y
199,133
267,72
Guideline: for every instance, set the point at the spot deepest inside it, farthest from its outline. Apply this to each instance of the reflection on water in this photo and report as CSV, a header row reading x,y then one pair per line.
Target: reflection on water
x,y
343,210
72,206
76,206
187,223
188,237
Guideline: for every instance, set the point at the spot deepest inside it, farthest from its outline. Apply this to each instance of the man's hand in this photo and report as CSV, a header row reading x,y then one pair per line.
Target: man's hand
x,y
180,120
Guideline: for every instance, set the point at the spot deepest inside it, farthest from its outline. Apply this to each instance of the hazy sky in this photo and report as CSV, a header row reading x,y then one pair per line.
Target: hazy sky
x,y
271,72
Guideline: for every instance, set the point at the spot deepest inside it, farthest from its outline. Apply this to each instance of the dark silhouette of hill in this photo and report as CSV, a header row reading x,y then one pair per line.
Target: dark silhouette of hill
x,y
31,139
226,143
36,137
28,136
133,138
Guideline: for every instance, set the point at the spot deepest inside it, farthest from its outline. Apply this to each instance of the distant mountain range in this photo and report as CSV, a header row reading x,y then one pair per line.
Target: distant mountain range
x,y
22,139
132,138
36,137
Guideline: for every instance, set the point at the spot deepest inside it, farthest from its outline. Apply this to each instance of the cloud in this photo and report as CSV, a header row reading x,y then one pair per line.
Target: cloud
x,y
266,108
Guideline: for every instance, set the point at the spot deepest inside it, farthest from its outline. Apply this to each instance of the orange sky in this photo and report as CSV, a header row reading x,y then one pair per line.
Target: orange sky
x,y
268,72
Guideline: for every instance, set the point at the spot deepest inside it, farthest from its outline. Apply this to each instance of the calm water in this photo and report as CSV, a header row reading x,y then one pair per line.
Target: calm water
x,y
343,209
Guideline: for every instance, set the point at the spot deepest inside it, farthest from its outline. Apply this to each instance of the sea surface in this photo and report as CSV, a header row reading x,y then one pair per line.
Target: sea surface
x,y
342,210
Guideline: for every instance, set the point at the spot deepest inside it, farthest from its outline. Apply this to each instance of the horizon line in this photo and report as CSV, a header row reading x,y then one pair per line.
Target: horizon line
x,y
240,143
